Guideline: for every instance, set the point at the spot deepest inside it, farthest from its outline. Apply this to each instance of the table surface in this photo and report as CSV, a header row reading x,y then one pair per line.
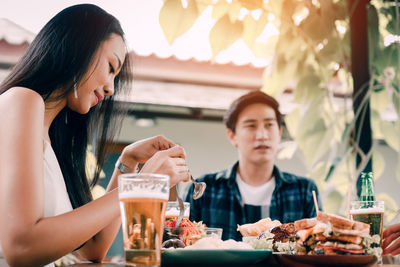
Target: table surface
x,y
119,265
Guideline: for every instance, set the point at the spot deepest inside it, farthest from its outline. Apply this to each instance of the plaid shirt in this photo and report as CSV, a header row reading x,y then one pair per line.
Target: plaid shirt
x,y
221,205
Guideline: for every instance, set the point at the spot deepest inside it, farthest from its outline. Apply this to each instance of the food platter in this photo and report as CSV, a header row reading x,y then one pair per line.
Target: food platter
x,y
326,260
215,256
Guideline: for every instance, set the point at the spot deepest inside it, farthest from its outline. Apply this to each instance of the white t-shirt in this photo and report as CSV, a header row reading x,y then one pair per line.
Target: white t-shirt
x,y
256,195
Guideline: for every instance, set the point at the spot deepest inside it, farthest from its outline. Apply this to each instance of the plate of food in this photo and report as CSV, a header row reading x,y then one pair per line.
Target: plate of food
x,y
325,260
326,240
214,256
211,250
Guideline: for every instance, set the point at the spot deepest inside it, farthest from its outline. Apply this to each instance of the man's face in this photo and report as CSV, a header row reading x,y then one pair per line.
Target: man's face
x,y
257,134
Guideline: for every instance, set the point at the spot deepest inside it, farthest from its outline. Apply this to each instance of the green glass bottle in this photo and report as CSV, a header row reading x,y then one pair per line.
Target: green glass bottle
x,y
367,187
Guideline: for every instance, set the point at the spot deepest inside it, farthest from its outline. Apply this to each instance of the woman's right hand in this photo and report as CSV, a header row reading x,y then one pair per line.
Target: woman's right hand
x,y
172,162
390,234
143,150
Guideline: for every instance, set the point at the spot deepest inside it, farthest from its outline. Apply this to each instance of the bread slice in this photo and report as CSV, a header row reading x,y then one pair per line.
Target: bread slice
x,y
335,220
305,223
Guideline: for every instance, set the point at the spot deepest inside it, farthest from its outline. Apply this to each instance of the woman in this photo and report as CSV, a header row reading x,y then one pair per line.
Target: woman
x,y
56,100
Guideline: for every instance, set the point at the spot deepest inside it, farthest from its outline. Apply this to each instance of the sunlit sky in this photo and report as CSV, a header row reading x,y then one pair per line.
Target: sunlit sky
x,y
139,19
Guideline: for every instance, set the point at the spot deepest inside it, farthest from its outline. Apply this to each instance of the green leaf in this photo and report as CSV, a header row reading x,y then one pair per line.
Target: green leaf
x,y
379,100
263,50
203,4
373,35
288,8
251,4
292,121
315,140
393,24
330,51
224,33
318,173
288,150
289,46
328,13
396,103
341,8
390,134
333,202
275,83
219,10
376,125
378,164
176,20
315,27
253,28
308,89
233,11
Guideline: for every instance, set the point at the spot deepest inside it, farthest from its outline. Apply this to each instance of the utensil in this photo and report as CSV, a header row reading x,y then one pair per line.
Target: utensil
x,y
198,188
181,211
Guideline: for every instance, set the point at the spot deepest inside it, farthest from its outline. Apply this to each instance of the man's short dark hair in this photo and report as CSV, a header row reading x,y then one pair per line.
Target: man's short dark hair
x,y
245,100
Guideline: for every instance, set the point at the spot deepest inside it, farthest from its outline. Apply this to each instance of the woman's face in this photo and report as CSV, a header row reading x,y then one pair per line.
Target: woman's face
x,y
98,82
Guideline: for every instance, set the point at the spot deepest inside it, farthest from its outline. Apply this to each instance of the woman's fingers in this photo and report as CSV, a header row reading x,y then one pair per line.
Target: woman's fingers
x,y
183,173
394,228
394,249
389,239
176,152
163,143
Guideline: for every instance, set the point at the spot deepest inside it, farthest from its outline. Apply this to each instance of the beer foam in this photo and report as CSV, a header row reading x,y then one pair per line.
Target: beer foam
x,y
152,195
367,210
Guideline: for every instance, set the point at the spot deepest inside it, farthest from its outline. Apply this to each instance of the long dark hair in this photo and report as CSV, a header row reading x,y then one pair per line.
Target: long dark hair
x,y
59,56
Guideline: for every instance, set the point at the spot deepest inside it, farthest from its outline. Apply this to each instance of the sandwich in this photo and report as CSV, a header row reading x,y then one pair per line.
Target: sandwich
x,y
257,228
326,234
330,234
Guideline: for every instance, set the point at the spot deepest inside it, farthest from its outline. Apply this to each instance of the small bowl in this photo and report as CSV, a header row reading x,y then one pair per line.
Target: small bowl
x,y
212,232
172,211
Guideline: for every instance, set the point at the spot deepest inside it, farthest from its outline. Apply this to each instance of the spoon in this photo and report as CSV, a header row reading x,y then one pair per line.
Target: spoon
x,y
198,188
181,210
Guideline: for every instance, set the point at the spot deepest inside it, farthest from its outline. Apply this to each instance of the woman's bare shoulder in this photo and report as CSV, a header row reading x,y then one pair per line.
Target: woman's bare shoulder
x,y
20,97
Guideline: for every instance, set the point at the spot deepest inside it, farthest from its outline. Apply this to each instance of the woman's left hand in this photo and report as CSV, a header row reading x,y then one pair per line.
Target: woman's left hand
x,y
142,150
390,234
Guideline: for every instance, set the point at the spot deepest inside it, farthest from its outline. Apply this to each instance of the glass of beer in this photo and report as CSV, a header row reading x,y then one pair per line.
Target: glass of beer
x,y
143,201
370,212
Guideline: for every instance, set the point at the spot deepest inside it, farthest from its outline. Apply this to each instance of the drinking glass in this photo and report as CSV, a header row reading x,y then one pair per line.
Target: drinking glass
x,y
370,212
173,210
143,201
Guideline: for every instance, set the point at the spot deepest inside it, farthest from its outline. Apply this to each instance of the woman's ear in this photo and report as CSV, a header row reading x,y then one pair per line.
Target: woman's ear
x,y
232,137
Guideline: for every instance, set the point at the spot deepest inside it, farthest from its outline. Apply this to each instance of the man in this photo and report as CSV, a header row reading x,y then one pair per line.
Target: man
x,y
253,188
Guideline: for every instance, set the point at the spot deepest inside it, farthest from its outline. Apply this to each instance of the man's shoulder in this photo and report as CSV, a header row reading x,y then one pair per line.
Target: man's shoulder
x,y
211,177
293,178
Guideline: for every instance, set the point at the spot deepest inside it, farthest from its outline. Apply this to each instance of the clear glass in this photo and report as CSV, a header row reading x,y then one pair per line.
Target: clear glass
x,y
370,212
173,210
143,201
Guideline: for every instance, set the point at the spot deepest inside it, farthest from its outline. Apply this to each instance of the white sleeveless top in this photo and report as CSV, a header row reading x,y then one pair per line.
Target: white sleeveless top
x,y
56,200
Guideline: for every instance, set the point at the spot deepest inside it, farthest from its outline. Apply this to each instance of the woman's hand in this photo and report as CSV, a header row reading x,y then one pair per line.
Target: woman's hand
x,y
171,162
389,234
141,151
